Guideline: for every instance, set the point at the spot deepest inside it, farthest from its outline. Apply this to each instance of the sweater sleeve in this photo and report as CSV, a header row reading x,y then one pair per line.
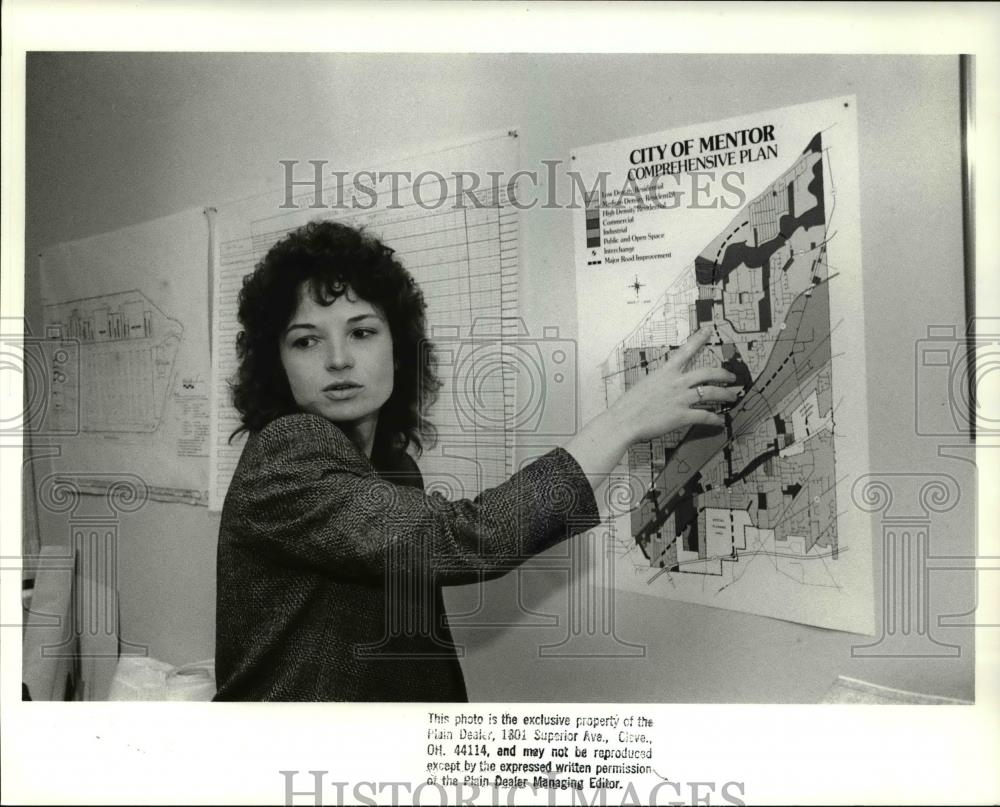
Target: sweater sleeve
x,y
304,493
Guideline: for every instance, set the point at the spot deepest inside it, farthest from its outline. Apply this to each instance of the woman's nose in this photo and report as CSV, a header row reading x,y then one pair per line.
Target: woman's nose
x,y
338,355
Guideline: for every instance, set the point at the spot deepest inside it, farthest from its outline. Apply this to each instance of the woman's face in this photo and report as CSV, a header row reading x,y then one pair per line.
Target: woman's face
x,y
338,359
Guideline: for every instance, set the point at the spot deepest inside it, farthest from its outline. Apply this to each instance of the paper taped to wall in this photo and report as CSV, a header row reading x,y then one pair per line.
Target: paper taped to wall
x,y
749,226
125,322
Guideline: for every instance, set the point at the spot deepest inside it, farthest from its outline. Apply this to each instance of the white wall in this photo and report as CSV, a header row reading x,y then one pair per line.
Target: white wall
x,y
119,139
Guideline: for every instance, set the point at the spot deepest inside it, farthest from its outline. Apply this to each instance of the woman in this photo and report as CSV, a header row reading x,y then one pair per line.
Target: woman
x,y
331,558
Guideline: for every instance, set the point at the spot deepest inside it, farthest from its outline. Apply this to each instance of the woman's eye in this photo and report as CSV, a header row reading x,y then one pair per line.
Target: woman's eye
x,y
363,333
304,341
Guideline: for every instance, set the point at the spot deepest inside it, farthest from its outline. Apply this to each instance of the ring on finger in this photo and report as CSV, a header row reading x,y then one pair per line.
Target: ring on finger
x,y
697,389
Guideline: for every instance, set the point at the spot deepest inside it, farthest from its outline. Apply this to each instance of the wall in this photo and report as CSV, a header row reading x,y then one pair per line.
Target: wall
x,y
119,139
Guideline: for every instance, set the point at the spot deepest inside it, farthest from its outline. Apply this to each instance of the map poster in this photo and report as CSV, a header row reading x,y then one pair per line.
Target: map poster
x,y
750,226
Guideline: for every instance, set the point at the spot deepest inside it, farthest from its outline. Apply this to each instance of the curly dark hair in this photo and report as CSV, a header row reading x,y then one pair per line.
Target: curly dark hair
x,y
332,257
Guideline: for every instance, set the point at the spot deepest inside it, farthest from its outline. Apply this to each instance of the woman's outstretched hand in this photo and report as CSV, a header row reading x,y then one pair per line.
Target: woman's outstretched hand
x,y
667,399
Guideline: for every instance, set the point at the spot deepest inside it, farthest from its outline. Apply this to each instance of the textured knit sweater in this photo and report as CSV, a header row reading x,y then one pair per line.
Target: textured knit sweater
x,y
330,573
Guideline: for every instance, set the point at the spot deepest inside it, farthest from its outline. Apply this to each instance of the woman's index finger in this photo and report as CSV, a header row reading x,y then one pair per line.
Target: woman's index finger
x,y
690,348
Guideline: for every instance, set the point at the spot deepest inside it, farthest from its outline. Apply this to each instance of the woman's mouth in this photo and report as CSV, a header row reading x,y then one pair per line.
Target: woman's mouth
x,y
341,389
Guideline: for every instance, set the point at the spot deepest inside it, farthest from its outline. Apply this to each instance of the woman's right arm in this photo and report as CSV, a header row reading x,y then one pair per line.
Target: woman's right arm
x,y
305,495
